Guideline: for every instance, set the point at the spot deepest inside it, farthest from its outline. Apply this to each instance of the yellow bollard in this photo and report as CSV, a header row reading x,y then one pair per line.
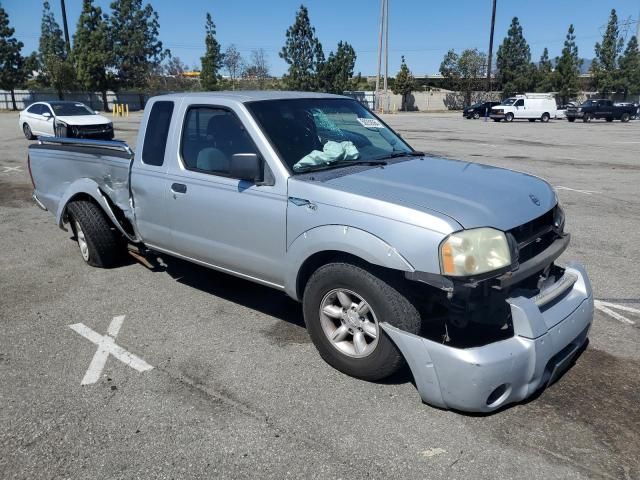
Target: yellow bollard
x,y
126,106
113,110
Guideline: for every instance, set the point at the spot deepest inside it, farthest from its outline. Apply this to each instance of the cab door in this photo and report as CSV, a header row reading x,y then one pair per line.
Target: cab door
x,y
519,109
231,224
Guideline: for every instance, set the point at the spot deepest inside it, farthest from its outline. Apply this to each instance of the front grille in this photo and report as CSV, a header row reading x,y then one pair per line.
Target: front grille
x,y
535,236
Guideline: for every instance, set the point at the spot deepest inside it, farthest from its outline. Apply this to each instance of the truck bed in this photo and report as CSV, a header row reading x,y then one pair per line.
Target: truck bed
x,y
60,166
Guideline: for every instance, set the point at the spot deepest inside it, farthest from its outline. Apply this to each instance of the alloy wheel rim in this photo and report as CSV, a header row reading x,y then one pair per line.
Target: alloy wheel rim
x,y
82,242
349,322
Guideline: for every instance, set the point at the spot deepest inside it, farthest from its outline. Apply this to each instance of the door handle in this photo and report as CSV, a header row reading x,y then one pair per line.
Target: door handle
x,y
178,188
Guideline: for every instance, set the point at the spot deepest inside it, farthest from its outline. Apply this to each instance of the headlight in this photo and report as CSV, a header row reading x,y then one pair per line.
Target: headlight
x,y
473,252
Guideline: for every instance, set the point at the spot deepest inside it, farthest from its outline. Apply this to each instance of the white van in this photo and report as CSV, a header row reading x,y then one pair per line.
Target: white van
x,y
532,106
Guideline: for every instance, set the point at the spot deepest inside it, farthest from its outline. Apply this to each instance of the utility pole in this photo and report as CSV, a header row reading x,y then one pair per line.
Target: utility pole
x,y
383,33
66,27
493,22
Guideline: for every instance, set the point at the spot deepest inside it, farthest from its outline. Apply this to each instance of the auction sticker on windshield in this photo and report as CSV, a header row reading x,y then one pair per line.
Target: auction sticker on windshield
x,y
370,123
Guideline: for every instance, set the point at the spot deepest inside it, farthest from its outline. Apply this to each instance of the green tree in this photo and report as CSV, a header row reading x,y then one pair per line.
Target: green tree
x,y
604,67
92,51
515,70
567,71
450,69
404,83
630,68
337,71
464,72
12,63
56,69
138,52
471,65
212,59
303,53
544,73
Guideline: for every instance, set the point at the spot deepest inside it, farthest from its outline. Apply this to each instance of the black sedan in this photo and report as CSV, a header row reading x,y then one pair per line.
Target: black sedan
x,y
478,110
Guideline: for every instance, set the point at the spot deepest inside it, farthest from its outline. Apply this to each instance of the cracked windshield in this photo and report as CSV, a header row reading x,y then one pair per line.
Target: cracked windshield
x,y
317,134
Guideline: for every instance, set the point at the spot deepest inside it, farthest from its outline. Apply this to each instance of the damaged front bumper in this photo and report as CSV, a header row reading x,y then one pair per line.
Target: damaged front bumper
x,y
549,330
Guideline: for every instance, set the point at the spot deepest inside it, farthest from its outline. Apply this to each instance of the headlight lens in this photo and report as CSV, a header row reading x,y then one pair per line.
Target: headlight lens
x,y
473,252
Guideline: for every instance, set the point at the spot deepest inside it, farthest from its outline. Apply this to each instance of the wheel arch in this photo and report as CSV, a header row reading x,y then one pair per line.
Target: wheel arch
x,y
324,244
87,189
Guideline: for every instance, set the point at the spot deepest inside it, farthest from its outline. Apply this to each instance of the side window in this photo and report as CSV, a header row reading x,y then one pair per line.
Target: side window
x,y
519,103
35,109
211,136
155,137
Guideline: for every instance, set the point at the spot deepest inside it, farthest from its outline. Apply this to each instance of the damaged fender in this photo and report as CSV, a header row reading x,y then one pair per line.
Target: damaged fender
x,y
340,238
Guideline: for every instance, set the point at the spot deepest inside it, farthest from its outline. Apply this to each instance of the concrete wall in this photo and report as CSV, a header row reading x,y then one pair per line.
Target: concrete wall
x,y
24,98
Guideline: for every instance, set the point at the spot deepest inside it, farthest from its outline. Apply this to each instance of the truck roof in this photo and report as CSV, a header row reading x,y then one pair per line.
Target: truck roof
x,y
252,95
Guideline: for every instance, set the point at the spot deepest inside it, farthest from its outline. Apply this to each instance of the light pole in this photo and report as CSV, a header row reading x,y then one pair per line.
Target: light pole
x,y
66,28
493,22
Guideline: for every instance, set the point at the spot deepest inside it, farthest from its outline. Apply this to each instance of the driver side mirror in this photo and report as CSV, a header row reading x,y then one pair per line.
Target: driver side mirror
x,y
246,166
47,115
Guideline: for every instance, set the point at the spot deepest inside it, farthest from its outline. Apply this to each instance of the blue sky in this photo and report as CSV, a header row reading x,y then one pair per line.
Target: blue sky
x,y
421,30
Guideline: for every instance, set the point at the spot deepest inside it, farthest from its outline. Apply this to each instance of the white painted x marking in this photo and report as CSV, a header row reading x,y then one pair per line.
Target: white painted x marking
x,y
606,307
107,346
11,169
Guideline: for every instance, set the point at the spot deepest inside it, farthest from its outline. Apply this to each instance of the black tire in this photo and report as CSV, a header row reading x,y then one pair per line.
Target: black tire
x,y
545,117
26,129
496,119
508,117
586,118
476,116
609,119
572,119
386,301
625,117
104,242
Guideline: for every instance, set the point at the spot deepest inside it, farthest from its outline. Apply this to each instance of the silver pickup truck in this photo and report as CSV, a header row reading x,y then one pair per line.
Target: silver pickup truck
x,y
397,256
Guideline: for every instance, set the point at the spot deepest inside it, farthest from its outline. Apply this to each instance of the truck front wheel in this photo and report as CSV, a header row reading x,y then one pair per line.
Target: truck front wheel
x,y
344,305
508,117
101,245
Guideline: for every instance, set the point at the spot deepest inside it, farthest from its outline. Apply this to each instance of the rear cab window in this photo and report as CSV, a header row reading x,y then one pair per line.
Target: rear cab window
x,y
155,137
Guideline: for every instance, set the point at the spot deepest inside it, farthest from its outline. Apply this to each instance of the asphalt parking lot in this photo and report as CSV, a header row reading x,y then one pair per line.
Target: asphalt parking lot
x,y
234,386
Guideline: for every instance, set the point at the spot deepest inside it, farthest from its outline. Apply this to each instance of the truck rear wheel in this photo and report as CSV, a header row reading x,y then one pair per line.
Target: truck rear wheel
x,y
545,117
344,305
625,117
101,245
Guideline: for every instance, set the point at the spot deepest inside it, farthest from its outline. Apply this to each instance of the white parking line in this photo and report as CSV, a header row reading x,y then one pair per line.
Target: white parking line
x,y
107,346
606,307
586,192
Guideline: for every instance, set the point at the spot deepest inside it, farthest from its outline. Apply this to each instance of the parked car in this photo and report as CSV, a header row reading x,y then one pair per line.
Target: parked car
x,y
395,255
561,112
64,119
601,108
478,110
531,106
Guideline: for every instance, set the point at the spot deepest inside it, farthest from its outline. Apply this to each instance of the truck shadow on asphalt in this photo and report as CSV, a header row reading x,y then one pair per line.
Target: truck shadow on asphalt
x,y
290,330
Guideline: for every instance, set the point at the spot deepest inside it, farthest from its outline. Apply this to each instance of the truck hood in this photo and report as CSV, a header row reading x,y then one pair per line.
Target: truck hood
x,y
83,119
472,194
